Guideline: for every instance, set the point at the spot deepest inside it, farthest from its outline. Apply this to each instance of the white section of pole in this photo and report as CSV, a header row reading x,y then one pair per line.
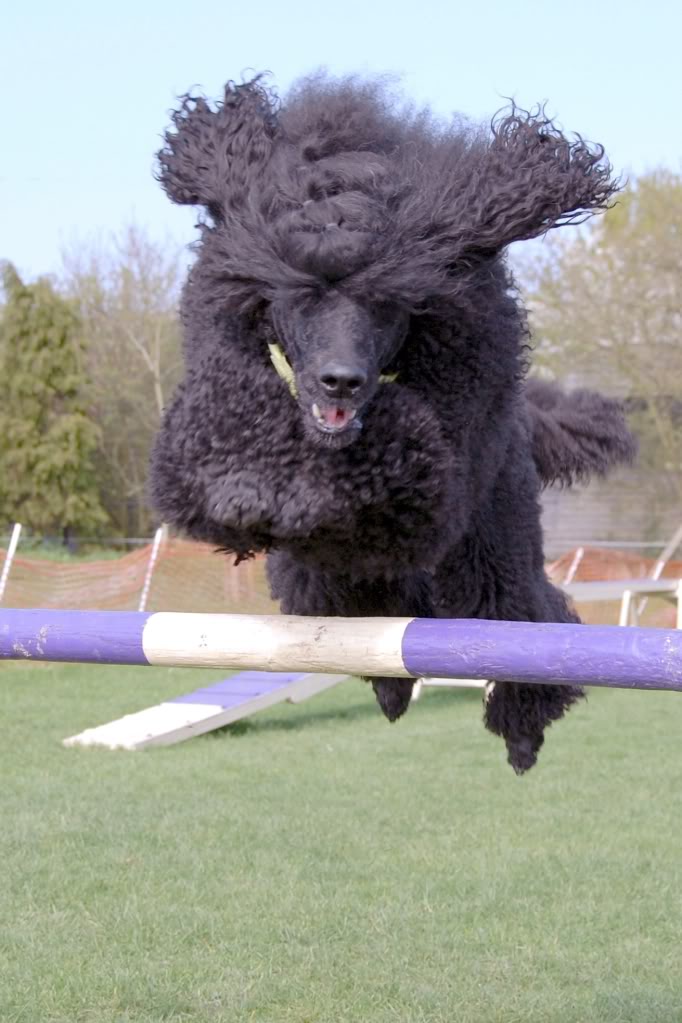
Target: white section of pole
x,y
9,557
159,536
373,646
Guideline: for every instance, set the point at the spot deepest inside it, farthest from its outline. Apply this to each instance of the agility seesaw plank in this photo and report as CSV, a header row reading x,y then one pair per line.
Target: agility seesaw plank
x,y
536,653
204,710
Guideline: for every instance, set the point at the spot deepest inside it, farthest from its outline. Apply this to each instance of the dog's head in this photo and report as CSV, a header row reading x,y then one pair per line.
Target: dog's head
x,y
340,352
339,215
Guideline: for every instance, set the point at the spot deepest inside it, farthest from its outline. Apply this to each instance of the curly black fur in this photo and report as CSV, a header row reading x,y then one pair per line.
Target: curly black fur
x,y
575,435
368,240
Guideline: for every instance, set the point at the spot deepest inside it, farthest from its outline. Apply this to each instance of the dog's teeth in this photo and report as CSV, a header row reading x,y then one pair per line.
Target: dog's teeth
x,y
316,411
351,414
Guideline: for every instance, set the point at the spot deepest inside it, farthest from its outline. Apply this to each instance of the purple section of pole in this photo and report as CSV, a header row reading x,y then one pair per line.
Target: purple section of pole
x,y
89,636
595,655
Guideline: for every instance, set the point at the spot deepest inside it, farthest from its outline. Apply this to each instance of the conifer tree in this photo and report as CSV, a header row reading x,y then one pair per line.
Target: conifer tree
x,y
47,441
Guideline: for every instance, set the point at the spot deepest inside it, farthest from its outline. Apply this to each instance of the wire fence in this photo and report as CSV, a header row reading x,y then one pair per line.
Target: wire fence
x,y
186,577
601,564
181,575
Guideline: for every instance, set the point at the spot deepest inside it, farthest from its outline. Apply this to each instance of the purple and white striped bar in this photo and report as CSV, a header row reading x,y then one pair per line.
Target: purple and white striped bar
x,y
592,655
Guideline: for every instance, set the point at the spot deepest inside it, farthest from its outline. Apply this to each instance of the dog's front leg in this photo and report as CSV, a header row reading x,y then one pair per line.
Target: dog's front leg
x,y
239,499
289,508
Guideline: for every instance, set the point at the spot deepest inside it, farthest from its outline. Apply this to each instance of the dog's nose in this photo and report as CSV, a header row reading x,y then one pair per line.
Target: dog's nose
x,y
340,380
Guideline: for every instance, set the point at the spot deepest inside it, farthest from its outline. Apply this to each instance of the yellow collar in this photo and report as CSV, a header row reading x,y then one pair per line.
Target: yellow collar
x,y
283,367
286,373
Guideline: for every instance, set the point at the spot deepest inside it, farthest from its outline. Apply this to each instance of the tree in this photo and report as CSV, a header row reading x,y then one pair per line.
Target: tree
x,y
606,307
47,440
127,294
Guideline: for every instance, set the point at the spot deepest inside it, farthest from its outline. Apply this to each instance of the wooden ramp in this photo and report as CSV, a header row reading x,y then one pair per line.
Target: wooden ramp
x,y
205,709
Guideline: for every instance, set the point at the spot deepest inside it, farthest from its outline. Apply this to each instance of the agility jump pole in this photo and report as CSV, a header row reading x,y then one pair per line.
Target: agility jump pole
x,y
566,654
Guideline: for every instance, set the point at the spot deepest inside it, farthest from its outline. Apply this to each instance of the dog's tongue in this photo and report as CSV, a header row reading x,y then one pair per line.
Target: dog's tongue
x,y
335,417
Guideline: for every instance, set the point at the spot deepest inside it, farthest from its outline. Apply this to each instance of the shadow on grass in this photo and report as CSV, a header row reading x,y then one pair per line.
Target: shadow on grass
x,y
296,718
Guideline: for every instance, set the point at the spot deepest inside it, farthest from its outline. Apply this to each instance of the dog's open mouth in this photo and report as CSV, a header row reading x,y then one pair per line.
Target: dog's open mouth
x,y
335,418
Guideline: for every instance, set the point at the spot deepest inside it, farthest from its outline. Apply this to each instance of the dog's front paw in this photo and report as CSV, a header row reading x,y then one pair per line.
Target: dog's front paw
x,y
237,499
303,510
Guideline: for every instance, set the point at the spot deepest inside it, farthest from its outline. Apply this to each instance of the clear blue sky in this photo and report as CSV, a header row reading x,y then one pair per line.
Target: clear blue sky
x,y
86,87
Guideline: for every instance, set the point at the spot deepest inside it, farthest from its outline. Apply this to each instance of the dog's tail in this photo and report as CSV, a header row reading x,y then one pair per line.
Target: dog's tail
x,y
577,434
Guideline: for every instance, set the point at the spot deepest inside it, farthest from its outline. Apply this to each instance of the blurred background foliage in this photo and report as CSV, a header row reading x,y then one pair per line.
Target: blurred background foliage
x,y
88,360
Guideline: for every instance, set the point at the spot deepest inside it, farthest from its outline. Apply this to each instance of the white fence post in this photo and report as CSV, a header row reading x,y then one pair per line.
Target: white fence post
x,y
573,567
666,555
158,537
627,610
9,557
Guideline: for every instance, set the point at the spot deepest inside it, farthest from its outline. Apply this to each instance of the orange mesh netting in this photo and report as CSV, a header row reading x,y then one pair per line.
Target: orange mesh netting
x,y
598,563
187,577
193,577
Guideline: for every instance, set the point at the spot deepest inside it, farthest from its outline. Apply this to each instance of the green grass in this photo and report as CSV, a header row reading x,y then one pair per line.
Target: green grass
x,y
317,865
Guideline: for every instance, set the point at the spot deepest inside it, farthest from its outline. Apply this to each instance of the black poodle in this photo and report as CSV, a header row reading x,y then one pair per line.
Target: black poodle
x,y
354,399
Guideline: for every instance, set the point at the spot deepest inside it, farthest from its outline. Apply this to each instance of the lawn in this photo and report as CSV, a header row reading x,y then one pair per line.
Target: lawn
x,y
317,865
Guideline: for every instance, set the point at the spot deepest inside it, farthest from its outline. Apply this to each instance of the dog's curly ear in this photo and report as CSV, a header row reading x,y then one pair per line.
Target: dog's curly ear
x,y
212,156
534,178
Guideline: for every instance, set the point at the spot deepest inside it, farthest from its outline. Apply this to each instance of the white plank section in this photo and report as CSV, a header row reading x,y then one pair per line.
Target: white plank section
x,y
445,683
454,683
614,589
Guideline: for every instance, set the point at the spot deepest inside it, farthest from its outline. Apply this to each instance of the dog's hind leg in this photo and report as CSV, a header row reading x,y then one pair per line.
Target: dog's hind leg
x,y
304,589
498,574
520,712
393,695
